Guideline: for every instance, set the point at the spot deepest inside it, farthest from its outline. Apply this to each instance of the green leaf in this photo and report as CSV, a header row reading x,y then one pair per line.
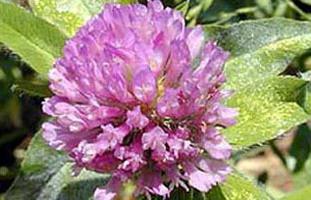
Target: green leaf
x,y
266,109
260,48
46,174
183,7
302,194
37,42
265,5
64,186
219,10
305,97
33,88
237,187
308,2
69,15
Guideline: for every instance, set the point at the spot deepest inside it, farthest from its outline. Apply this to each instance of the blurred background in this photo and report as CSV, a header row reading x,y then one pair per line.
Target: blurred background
x,y
278,165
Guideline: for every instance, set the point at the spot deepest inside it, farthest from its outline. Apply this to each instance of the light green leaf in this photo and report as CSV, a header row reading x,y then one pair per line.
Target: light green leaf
x,y
267,109
306,1
260,51
37,42
302,178
237,187
69,15
46,174
266,5
302,194
261,48
305,97
183,7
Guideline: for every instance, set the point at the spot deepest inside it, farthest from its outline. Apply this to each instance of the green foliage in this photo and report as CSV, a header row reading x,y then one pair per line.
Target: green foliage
x,y
237,187
267,102
305,97
228,12
34,88
46,174
266,109
260,49
69,15
222,11
36,41
302,194
39,165
306,1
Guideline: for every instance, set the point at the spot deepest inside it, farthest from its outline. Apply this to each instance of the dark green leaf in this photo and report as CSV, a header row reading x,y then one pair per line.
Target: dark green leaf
x,y
261,48
46,174
301,146
220,9
33,88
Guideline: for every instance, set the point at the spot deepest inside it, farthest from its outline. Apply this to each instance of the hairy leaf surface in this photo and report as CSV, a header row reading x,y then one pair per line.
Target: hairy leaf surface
x,y
36,41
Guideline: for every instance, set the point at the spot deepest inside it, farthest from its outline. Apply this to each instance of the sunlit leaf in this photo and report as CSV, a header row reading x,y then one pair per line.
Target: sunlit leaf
x,y
237,187
69,15
302,194
266,109
37,42
261,50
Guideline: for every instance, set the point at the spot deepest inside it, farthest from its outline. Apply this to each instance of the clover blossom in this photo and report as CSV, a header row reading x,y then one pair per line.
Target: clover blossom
x,y
137,94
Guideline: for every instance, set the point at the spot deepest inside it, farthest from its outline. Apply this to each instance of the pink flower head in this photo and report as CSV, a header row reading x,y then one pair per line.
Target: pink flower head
x,y
137,94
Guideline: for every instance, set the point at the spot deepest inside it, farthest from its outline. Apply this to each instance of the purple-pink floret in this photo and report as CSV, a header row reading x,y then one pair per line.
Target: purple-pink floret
x,y
137,94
